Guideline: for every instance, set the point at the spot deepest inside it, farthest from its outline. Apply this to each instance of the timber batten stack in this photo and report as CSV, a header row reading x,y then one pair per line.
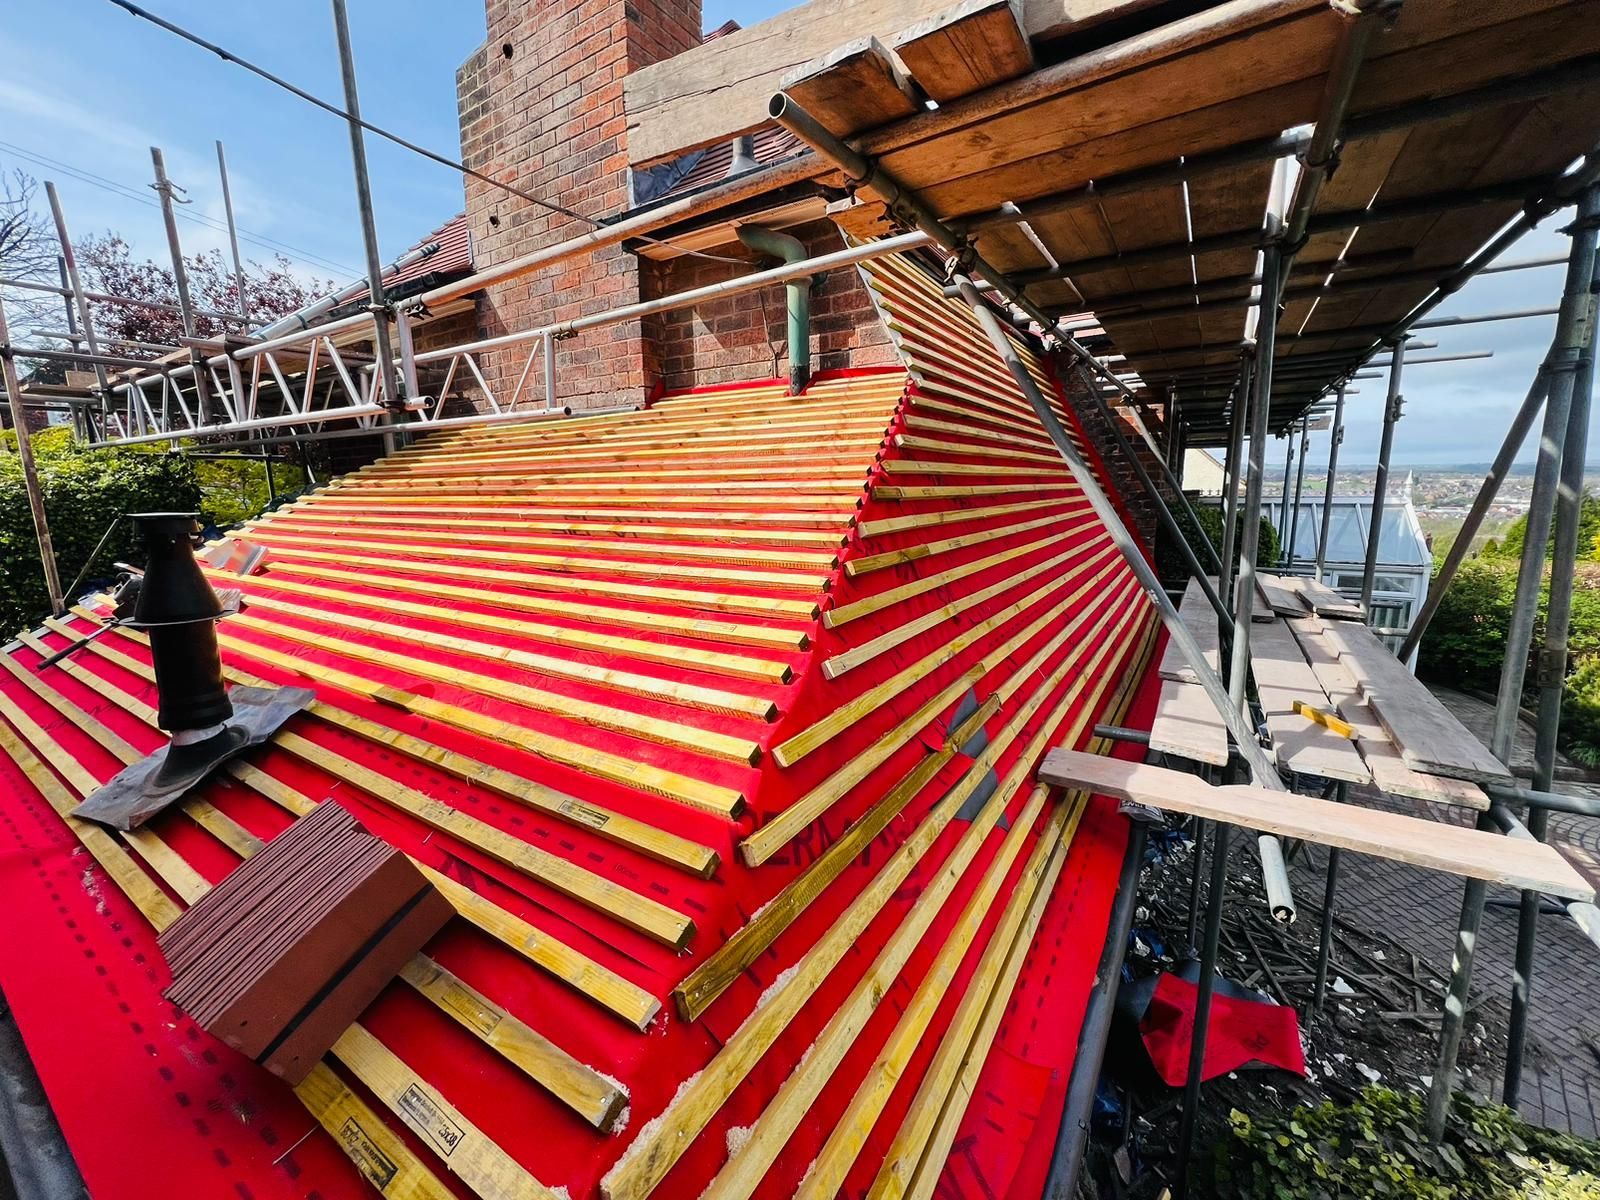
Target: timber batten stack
x,y
717,725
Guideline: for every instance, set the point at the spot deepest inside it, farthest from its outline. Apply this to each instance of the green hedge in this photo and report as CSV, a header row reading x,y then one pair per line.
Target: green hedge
x,y
1169,559
235,489
83,490
1466,643
1377,1147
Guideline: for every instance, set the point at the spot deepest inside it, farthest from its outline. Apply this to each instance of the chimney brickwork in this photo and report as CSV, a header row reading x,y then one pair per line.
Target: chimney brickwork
x,y
735,338
541,107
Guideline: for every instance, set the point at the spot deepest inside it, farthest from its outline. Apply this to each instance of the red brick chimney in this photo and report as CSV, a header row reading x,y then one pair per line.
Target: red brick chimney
x,y
541,107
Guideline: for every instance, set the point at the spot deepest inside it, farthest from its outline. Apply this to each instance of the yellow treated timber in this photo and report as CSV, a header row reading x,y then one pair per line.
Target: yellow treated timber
x,y
843,717
570,1081
88,678
707,628
912,441
649,917
795,507
933,400
850,1134
117,745
808,441
672,733
954,1069
603,822
621,518
559,562
868,563
165,862
835,445
813,485
665,429
936,391
630,682
818,396
848,660
711,661
146,896
998,967
280,793
464,1148
868,605
326,1098
627,1000
906,285
971,424
718,601
783,1114
963,349
581,1088
916,466
981,403
754,399
823,470
747,426
613,826
646,1162
382,1157
769,838
81,779
712,977
320,1095
737,409
546,953
976,362
308,525
205,814
725,802
664,440
645,530
957,491
174,872
960,516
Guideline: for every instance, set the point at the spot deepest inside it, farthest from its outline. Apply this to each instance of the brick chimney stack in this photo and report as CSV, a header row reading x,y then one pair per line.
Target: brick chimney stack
x,y
541,107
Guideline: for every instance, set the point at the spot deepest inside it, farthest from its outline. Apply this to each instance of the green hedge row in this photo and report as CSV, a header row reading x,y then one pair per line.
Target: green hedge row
x,y
84,490
1466,643
1169,559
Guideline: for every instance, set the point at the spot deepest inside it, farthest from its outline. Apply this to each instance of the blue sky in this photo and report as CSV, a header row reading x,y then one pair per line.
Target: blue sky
x,y
87,89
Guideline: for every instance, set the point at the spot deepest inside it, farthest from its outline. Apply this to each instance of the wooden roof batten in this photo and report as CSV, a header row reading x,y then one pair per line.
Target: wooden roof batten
x,y
1421,130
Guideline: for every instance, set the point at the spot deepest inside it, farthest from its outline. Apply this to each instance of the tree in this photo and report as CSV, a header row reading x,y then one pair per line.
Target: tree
x,y
27,252
1588,534
108,265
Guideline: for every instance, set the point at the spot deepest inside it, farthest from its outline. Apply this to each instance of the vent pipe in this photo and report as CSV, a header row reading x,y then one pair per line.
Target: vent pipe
x,y
177,607
786,248
744,156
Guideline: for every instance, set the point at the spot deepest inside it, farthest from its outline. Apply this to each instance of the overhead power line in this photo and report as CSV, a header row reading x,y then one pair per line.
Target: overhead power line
x,y
129,192
328,107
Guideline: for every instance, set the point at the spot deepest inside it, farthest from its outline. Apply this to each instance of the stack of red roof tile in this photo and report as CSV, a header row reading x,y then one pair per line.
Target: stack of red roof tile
x,y
282,956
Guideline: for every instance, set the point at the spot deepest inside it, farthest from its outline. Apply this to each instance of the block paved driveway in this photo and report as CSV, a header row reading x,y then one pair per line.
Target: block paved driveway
x,y
1421,909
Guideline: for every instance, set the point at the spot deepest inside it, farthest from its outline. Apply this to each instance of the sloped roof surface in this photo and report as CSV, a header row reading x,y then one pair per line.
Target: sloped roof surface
x,y
453,257
622,684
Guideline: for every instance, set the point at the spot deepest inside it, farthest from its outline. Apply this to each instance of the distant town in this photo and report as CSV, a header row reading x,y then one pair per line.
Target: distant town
x,y
1441,494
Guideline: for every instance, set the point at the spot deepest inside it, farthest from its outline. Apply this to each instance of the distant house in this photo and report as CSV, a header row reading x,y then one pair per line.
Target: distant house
x,y
1405,559
1202,473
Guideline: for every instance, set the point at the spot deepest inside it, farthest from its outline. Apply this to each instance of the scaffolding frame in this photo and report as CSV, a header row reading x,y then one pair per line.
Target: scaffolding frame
x,y
309,379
